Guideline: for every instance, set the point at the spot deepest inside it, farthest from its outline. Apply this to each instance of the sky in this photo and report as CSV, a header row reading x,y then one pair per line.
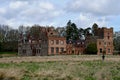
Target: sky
x,y
84,13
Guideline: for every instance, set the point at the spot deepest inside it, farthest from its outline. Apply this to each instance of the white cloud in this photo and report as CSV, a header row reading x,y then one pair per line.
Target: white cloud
x,y
95,11
29,12
50,12
87,20
97,7
2,19
2,10
46,6
84,17
18,4
41,11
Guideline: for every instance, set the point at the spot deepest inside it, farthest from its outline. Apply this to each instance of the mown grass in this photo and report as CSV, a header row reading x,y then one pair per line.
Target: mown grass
x,y
61,70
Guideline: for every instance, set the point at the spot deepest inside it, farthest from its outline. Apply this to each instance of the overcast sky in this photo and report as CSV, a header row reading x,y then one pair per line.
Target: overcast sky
x,y
57,12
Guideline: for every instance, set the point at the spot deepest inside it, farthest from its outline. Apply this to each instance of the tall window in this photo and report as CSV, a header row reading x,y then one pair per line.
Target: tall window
x,y
100,50
40,45
57,41
108,50
57,50
52,49
62,49
104,43
39,50
108,37
99,43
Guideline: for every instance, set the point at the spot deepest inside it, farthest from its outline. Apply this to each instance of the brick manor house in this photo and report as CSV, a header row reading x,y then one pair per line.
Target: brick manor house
x,y
52,41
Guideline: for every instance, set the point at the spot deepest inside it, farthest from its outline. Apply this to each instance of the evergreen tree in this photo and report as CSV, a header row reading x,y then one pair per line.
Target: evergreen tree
x,y
71,31
86,31
68,30
75,35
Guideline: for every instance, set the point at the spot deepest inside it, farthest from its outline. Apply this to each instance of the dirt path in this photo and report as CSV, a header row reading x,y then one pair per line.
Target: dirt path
x,y
57,58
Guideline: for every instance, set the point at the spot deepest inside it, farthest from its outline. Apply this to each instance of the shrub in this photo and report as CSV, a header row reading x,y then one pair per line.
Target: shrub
x,y
91,49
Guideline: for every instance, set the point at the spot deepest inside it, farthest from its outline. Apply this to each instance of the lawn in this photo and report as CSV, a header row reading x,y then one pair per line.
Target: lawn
x,y
60,68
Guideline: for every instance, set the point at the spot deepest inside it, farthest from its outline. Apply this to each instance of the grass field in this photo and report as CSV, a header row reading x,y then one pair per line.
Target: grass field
x,y
71,67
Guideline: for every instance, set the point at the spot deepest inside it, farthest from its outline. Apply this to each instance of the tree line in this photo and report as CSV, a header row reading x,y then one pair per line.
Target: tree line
x,y
9,37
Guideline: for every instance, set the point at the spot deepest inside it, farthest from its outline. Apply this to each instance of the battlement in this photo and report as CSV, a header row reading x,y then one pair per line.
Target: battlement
x,y
101,32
